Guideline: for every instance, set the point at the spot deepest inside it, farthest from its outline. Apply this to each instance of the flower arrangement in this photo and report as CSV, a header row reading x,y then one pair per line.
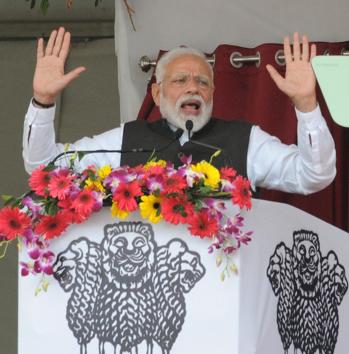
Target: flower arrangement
x,y
191,194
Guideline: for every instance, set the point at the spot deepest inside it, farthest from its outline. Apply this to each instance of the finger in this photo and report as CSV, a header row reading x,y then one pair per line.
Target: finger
x,y
287,50
305,48
58,42
312,51
276,77
40,49
51,42
72,75
296,47
65,46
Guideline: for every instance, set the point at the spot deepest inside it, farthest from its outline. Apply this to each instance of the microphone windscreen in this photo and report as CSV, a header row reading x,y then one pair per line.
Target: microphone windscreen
x,y
189,125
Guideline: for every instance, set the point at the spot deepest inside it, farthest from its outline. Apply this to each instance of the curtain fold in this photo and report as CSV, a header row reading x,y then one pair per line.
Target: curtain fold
x,y
248,93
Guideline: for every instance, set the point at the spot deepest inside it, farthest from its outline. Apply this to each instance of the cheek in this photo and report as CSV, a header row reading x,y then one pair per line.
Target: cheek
x,y
173,94
207,96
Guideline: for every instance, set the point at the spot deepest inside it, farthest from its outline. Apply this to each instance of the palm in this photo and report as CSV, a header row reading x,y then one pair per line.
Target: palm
x,y
299,81
49,77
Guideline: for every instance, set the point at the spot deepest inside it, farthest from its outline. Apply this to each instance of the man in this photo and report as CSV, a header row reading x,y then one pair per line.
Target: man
x,y
184,92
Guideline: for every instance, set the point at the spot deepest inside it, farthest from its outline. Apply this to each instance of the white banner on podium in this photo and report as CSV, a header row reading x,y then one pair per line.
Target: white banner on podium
x,y
135,287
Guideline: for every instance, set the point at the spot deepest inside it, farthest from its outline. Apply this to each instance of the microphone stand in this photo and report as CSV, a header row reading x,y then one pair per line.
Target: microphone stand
x,y
178,133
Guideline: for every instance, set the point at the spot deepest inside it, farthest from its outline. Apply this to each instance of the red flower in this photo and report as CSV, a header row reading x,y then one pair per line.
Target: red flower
x,y
241,194
60,185
84,202
39,180
228,173
52,226
202,224
176,210
72,215
13,222
155,170
125,195
174,184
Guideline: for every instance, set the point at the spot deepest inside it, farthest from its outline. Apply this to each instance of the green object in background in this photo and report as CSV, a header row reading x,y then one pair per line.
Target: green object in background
x,y
332,73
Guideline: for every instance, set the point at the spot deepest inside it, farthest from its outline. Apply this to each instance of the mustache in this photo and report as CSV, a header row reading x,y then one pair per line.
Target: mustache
x,y
186,97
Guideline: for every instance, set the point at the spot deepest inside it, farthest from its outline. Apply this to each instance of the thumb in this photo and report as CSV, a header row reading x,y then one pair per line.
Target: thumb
x,y
276,77
72,75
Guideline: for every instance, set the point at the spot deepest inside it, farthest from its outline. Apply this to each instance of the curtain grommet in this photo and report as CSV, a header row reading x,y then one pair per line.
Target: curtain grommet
x,y
259,60
233,62
280,57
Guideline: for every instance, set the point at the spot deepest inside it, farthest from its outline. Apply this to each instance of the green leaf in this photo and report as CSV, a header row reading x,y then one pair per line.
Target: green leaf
x,y
45,285
45,4
3,248
50,167
217,153
81,155
51,207
8,199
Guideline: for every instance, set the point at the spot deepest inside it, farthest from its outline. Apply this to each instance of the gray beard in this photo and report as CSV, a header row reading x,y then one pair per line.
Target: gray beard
x,y
176,118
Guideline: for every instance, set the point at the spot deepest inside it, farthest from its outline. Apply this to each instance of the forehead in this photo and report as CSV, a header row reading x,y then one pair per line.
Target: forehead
x,y
188,63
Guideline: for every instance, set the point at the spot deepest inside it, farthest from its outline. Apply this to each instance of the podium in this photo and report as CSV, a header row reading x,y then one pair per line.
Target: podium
x,y
136,287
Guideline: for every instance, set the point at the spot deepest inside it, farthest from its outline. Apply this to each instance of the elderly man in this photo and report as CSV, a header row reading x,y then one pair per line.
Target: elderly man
x,y
184,93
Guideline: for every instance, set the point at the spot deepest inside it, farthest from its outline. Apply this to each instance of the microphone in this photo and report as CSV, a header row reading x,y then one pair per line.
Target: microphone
x,y
177,134
189,126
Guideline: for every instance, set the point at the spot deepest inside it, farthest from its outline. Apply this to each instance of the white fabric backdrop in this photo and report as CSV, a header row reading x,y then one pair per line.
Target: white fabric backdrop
x,y
204,24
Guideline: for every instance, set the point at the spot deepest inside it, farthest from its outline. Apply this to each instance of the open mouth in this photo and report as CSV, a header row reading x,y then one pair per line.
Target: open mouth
x,y
191,107
63,275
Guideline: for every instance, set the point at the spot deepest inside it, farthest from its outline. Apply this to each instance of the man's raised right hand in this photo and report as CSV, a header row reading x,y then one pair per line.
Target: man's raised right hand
x,y
49,77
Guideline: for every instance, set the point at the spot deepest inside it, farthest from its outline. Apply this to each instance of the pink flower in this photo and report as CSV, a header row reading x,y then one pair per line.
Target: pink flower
x,y
155,183
60,184
39,180
31,205
45,263
86,202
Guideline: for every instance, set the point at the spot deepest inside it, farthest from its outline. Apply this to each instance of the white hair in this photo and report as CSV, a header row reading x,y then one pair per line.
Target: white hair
x,y
174,53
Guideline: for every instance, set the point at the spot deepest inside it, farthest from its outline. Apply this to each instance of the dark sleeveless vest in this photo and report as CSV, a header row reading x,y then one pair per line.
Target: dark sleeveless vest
x,y
232,137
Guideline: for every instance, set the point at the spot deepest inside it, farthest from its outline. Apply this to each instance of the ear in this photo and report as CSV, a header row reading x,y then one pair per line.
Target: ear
x,y
155,91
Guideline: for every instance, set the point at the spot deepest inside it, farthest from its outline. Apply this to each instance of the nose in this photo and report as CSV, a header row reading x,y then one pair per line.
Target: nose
x,y
192,85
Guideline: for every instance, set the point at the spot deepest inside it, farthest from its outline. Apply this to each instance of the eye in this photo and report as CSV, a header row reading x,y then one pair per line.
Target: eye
x,y
120,242
181,80
202,82
302,250
138,242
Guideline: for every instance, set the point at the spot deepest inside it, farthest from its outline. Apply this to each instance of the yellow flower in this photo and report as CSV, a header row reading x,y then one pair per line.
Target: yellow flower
x,y
211,174
104,172
149,208
149,164
96,185
118,213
